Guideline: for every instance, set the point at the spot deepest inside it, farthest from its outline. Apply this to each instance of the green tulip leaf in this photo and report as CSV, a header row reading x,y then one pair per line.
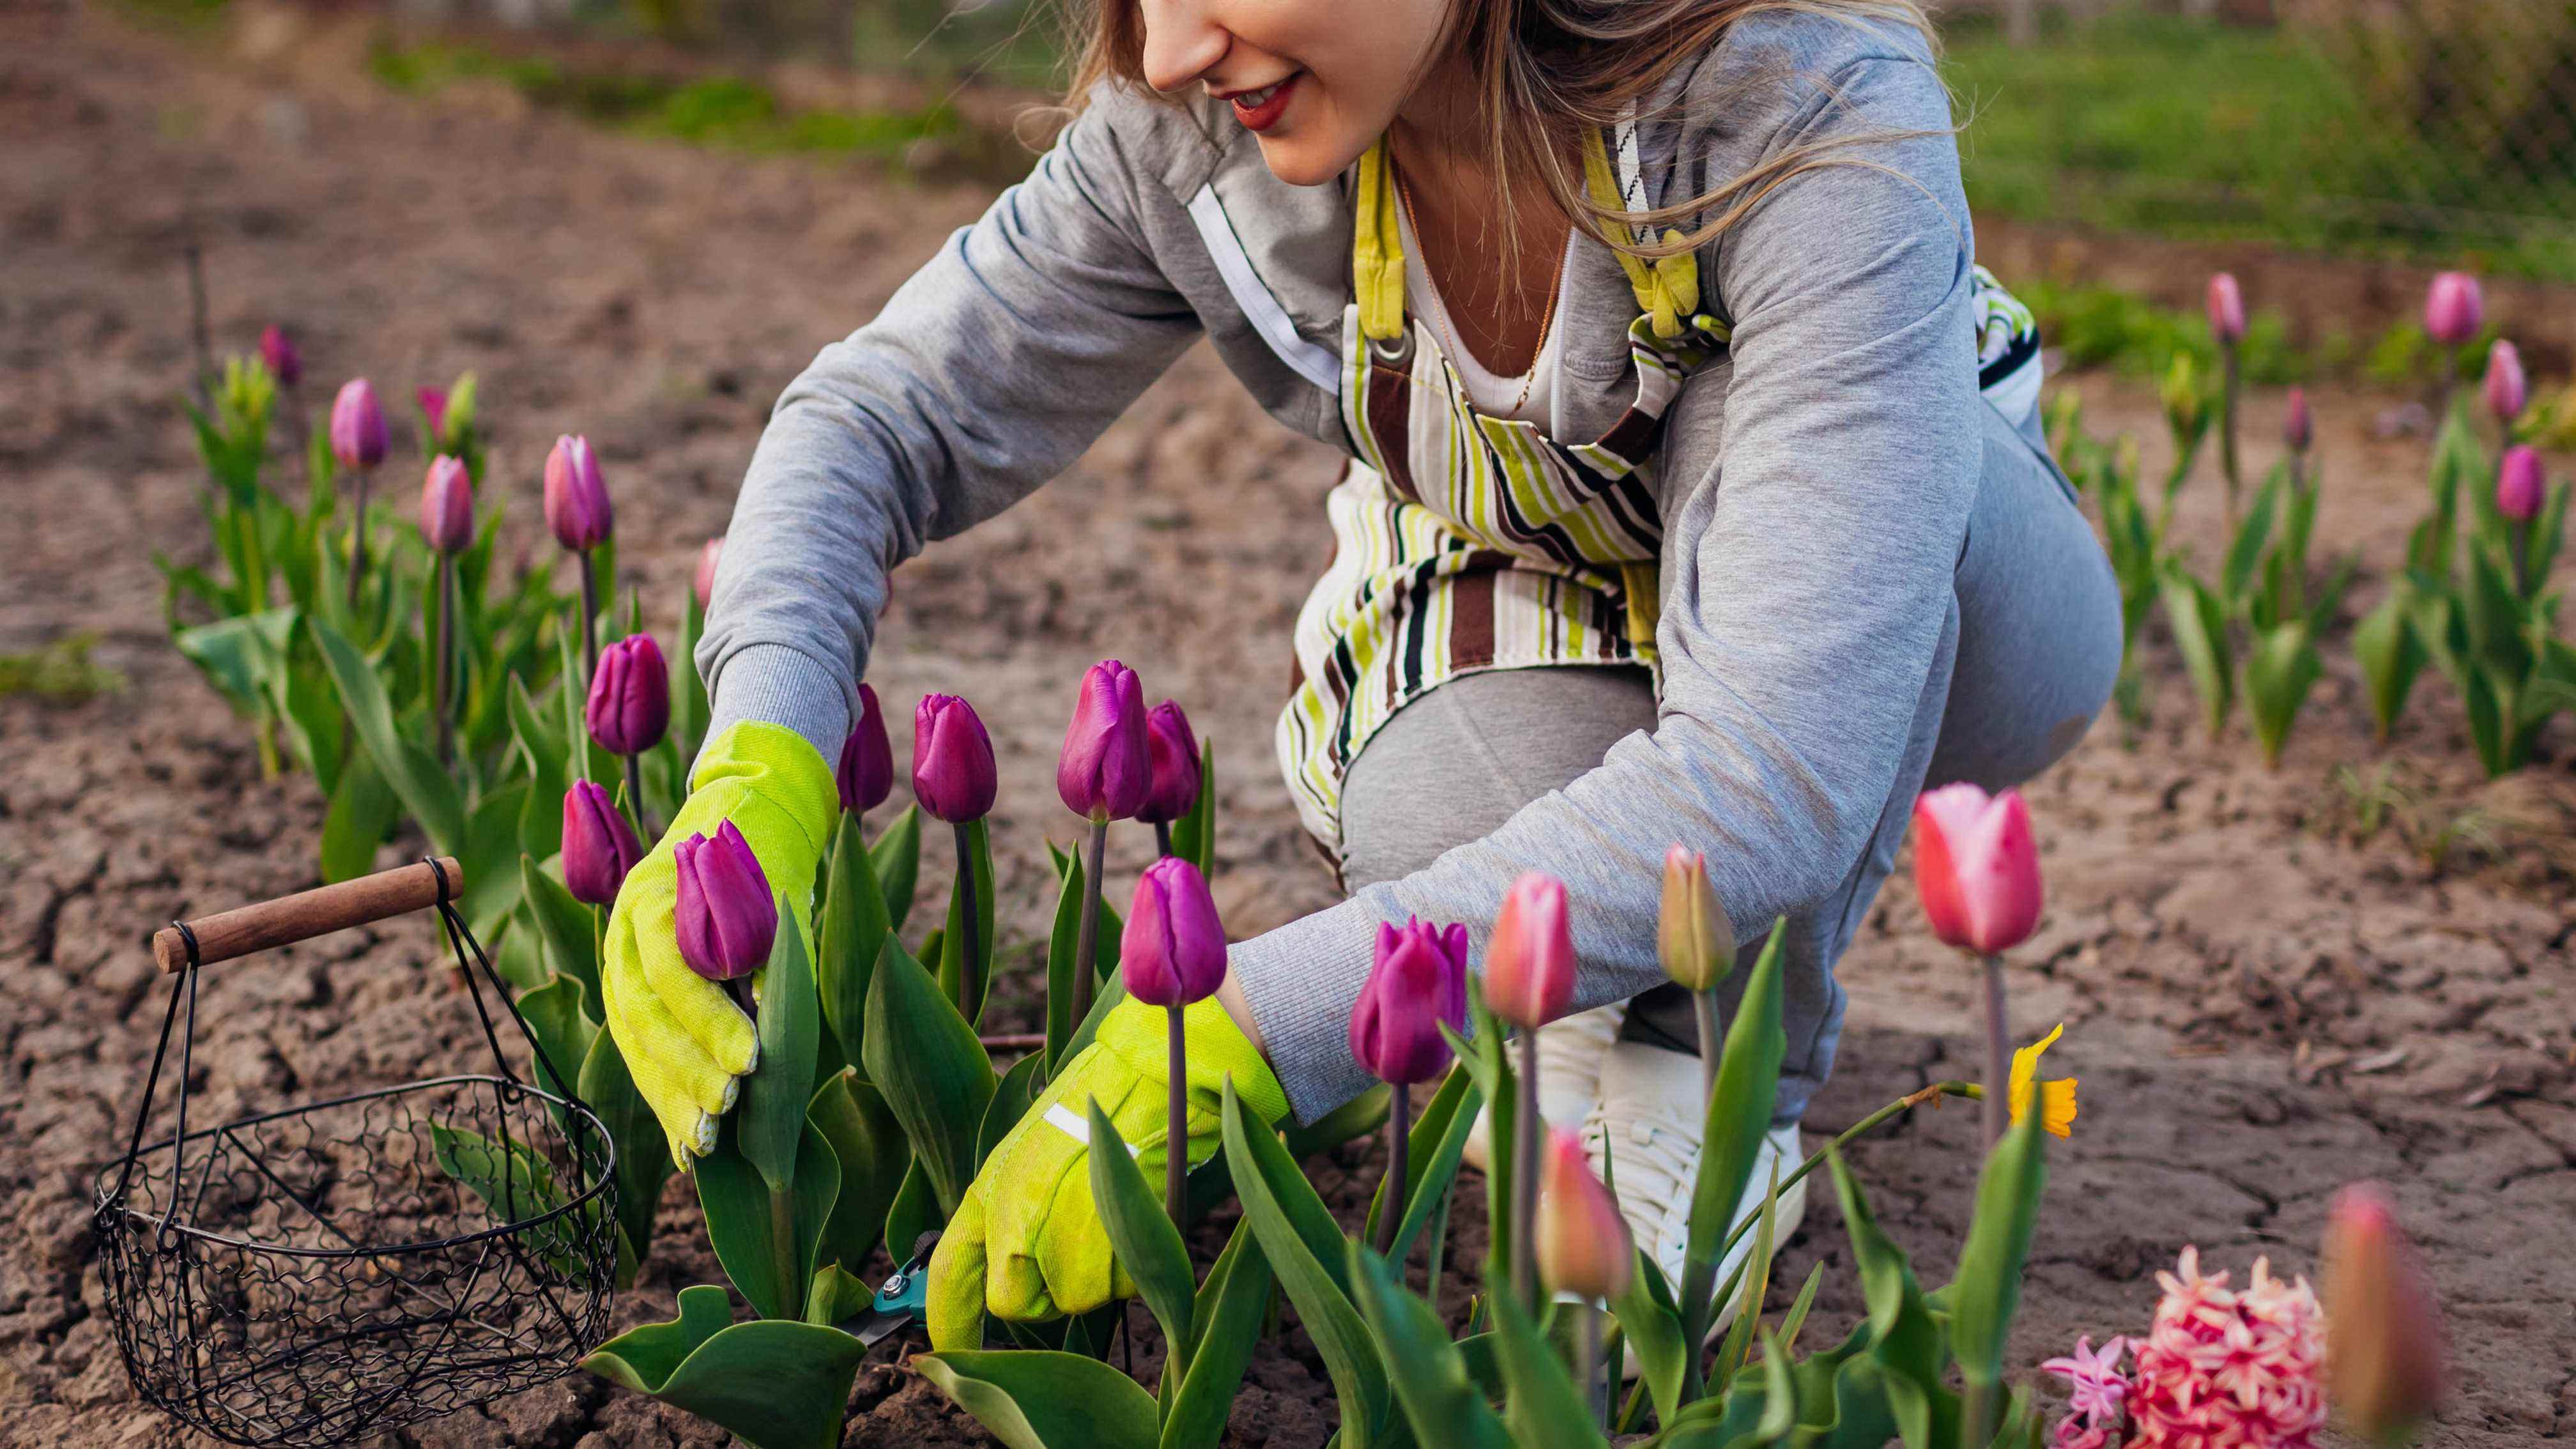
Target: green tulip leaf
x,y
568,928
1443,1403
774,1384
362,810
2390,656
490,859
2199,623
1653,1329
1905,1343
1433,1146
2236,576
643,1154
1194,834
689,709
914,1211
896,856
869,1145
837,1295
1044,1399
1226,1324
954,969
1544,1405
521,1191
1739,1114
935,1075
1142,1236
745,1221
425,791
1988,1289
770,1120
1018,1090
850,930
556,1020
2280,670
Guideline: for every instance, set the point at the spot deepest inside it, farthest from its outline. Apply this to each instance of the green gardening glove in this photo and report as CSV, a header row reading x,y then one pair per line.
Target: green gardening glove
x,y
1026,1242
685,1042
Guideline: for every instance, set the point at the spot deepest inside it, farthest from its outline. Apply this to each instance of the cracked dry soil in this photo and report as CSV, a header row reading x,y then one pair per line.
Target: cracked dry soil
x,y
2261,1005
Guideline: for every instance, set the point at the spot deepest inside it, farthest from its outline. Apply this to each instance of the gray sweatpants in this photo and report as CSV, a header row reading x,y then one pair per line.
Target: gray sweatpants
x,y
2027,659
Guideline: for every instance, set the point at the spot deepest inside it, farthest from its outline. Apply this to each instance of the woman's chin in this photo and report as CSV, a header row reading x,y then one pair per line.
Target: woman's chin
x,y
1307,160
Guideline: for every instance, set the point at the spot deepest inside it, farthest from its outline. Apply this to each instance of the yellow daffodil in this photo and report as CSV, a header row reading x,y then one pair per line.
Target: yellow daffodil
x,y
2056,1099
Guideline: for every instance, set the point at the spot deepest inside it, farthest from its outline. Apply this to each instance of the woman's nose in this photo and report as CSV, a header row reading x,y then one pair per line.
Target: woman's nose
x,y
1182,42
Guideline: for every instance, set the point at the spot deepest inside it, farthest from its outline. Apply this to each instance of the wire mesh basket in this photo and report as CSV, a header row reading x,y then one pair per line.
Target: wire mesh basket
x,y
346,1267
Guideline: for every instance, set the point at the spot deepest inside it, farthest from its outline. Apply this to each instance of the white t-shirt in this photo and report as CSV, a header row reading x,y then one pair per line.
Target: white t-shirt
x,y
1492,394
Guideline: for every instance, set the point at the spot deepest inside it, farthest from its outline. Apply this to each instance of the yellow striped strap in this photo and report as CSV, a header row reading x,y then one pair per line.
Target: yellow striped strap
x,y
1668,287
1377,249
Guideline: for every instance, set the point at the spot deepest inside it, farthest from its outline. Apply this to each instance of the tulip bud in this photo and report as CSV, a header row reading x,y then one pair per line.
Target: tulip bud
x,y
2226,310
2453,309
1529,968
599,847
1582,1241
278,351
866,770
2298,425
1418,982
1976,867
1105,769
447,506
727,918
1172,951
952,760
2186,405
2520,484
2507,389
630,696
1172,756
433,411
577,506
357,425
1693,936
705,582
2384,1368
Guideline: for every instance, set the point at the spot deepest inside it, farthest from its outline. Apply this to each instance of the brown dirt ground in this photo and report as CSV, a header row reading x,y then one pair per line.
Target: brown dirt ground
x,y
2262,1004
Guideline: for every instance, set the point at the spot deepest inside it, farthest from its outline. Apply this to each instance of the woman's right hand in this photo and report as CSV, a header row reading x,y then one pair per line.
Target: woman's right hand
x,y
686,1044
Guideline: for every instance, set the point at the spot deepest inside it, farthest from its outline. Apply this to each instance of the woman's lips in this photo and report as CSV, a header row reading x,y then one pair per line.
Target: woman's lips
x,y
1260,110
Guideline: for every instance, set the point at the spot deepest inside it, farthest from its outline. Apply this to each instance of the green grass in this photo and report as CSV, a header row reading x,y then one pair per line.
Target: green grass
x,y
2155,125
59,673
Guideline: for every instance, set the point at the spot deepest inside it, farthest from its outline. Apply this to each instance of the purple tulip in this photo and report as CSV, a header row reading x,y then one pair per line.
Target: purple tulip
x,y
1105,770
2298,425
727,918
866,770
630,696
704,584
357,425
447,505
2520,484
952,760
278,351
433,410
1172,753
599,847
2226,310
1419,981
2454,309
2508,391
1173,950
577,506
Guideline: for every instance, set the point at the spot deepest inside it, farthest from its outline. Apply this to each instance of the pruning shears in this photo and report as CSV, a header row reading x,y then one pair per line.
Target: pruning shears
x,y
900,1298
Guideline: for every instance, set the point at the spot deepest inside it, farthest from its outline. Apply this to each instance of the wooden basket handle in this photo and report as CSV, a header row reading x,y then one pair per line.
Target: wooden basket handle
x,y
300,917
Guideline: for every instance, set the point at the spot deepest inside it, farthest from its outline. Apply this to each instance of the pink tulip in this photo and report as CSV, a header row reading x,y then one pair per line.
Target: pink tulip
x,y
2298,426
629,707
2454,310
1419,981
2520,483
1172,952
599,847
433,411
577,506
357,425
1583,1244
866,770
952,760
704,584
1976,867
278,351
2507,390
1529,967
726,918
2226,310
2384,1356
1105,767
1172,755
447,506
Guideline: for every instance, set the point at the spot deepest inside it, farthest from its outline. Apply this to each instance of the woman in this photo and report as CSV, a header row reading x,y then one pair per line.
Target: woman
x,y
1696,495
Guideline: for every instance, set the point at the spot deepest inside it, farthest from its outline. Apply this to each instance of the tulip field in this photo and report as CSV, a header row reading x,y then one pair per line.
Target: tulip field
x,y
2180,1094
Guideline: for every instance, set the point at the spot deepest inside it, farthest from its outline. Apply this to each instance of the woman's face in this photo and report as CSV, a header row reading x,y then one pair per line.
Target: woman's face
x,y
1315,81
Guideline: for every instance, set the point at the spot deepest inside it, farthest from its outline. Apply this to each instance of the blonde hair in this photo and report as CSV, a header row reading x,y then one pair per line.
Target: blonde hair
x,y
1546,71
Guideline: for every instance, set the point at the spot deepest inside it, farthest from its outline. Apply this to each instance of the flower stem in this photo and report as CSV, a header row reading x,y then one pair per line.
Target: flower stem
x,y
1525,1176
1176,1131
358,540
1399,1121
1998,1054
1086,942
970,975
1162,838
635,794
2227,436
1596,1388
1974,1410
445,644
1711,1043
589,620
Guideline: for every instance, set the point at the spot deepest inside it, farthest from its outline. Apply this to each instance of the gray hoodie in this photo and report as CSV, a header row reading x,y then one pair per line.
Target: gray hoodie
x,y
1816,480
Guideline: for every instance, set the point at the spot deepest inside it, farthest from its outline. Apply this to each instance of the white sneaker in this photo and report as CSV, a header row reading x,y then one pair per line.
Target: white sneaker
x,y
1570,1050
1648,1124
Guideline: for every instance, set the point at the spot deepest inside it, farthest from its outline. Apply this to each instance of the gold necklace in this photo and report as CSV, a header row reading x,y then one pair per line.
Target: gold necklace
x,y
1547,318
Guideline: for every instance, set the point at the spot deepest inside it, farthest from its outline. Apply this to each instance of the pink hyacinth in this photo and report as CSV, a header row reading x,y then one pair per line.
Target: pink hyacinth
x,y
2097,1393
2230,1368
